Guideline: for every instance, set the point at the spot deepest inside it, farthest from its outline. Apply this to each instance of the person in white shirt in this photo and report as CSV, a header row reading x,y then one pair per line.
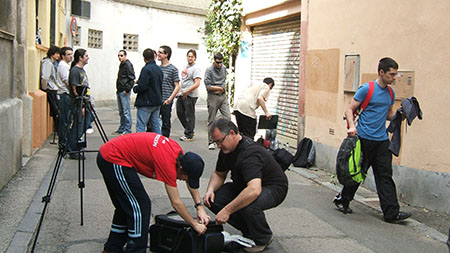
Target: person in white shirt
x,y
246,104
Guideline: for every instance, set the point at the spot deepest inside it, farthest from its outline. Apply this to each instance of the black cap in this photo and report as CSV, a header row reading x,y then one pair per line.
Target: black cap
x,y
192,164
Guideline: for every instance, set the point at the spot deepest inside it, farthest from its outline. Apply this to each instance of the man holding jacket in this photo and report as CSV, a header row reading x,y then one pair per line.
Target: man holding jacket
x,y
125,81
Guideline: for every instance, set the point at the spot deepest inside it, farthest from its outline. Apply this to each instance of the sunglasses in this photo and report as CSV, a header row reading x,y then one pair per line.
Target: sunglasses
x,y
120,55
218,62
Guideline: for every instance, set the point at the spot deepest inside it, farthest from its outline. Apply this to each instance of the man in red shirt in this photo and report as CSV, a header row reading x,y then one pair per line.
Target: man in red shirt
x,y
153,156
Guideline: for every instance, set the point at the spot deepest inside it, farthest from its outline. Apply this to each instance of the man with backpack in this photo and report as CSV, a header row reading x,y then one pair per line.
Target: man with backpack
x,y
259,183
371,129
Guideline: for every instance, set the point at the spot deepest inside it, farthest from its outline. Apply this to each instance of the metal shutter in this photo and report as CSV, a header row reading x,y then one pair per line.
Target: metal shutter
x,y
276,54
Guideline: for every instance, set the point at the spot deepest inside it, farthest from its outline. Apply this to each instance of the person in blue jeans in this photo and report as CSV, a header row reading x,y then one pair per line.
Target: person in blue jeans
x,y
149,94
124,83
371,130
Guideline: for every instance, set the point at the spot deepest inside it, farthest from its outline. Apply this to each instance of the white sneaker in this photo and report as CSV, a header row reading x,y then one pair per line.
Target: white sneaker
x,y
212,146
89,131
184,138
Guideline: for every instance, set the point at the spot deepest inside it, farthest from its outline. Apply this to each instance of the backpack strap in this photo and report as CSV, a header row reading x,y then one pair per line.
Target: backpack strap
x,y
391,93
369,96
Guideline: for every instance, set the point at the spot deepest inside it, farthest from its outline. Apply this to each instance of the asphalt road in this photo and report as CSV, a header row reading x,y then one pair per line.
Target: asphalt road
x,y
306,221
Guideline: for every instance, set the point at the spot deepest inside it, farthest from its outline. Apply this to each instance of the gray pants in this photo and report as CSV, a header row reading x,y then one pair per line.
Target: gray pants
x,y
217,103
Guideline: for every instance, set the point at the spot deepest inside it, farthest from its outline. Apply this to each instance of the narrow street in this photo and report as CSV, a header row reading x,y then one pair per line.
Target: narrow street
x,y
306,221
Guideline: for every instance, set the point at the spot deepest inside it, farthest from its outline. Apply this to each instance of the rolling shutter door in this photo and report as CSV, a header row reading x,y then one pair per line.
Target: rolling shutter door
x,y
276,54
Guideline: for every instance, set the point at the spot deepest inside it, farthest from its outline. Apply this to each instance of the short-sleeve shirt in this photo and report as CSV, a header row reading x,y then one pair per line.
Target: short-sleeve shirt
x,y
188,76
372,121
247,104
150,154
250,161
170,77
78,77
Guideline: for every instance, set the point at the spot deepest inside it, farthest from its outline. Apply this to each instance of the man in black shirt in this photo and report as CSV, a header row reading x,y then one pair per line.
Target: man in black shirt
x,y
258,184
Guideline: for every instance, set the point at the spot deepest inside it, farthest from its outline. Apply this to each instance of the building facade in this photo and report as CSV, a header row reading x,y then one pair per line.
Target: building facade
x,y
341,43
13,98
134,26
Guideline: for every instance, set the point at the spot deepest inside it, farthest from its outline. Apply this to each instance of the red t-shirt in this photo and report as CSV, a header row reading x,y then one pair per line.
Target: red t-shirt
x,y
150,154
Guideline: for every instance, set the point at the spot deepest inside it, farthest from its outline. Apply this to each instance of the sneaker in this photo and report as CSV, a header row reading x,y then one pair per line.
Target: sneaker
x,y
185,138
89,131
341,205
400,216
212,146
259,248
116,133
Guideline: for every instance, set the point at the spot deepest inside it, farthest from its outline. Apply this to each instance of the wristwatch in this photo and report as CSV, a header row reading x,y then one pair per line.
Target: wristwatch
x,y
198,204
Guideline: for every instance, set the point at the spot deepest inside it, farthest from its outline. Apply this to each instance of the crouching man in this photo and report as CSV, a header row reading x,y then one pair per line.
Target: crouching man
x,y
258,184
153,156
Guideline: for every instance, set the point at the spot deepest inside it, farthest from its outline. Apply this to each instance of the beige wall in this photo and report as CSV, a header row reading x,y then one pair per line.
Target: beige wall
x,y
42,124
415,35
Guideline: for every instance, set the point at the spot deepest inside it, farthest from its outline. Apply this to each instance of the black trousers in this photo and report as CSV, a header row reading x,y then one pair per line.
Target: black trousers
x,y
250,220
186,114
246,125
166,114
133,206
377,155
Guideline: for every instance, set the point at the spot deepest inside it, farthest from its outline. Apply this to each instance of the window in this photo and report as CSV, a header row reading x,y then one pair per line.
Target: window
x,y
182,45
130,42
95,38
81,8
77,37
351,68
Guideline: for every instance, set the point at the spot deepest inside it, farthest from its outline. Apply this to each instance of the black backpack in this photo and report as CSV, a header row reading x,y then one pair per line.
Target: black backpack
x,y
305,155
171,234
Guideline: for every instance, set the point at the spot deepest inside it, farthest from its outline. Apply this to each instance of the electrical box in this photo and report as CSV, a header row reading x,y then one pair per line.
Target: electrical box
x,y
404,84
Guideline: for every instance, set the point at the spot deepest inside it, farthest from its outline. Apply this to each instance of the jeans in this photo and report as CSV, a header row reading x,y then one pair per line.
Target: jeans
x,y
166,114
144,114
186,114
78,128
64,103
123,102
250,220
377,155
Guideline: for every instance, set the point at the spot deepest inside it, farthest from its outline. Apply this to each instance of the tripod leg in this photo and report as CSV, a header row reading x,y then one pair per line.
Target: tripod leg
x,y
47,197
97,122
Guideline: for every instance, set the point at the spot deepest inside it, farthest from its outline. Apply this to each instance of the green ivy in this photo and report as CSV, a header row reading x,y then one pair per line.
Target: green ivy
x,y
222,33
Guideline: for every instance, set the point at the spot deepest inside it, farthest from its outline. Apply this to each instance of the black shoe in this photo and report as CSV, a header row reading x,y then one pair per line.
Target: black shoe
x,y
342,205
232,247
400,216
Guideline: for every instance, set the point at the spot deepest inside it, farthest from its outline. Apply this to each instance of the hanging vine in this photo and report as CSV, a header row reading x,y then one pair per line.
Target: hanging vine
x,y
222,34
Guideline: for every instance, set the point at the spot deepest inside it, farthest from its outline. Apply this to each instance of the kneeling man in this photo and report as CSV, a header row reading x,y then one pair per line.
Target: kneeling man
x,y
258,184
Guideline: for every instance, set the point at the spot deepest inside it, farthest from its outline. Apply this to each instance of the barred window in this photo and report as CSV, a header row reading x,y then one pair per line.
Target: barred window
x,y
95,39
77,37
130,42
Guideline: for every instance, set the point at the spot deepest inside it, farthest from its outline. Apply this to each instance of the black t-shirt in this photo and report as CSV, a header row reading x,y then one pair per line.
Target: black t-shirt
x,y
249,161
78,77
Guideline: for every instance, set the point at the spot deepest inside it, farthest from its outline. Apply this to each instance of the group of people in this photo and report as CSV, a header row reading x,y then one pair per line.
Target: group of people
x,y
63,79
159,85
258,182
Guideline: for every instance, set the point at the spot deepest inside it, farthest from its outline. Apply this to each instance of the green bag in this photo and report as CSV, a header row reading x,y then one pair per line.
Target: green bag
x,y
349,162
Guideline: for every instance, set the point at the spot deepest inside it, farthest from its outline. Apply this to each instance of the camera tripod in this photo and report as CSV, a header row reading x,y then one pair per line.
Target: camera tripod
x,y
76,146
